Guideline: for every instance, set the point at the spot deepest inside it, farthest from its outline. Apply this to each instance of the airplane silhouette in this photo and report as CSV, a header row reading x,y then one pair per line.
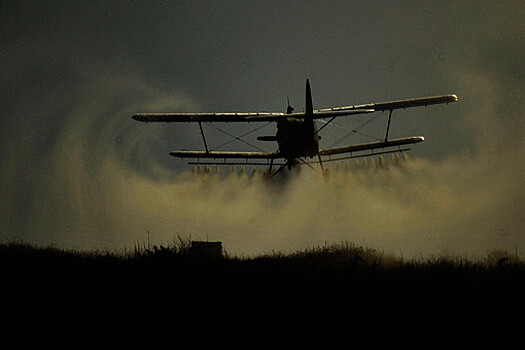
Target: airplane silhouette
x,y
297,134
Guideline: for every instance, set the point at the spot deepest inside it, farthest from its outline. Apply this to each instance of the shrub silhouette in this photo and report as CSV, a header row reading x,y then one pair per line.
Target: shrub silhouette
x,y
339,287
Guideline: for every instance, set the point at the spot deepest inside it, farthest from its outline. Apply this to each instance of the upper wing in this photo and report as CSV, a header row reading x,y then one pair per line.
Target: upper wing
x,y
274,117
208,117
383,106
332,113
239,117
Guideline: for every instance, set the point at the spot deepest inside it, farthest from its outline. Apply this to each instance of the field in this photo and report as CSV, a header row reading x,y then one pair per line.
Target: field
x,y
338,292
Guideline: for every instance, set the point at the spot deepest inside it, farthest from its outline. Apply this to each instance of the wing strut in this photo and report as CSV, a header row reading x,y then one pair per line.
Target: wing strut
x,y
204,138
388,126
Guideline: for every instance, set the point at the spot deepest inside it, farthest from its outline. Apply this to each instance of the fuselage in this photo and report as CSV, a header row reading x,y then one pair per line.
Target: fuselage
x,y
297,137
297,134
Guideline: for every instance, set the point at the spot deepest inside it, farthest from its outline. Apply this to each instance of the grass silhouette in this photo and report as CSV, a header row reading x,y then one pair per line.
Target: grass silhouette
x,y
342,288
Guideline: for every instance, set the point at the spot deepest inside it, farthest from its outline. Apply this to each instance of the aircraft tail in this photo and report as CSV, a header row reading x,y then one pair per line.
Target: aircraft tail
x,y
309,108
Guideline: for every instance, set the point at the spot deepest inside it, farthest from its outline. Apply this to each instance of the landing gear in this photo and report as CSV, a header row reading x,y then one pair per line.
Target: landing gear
x,y
290,163
320,163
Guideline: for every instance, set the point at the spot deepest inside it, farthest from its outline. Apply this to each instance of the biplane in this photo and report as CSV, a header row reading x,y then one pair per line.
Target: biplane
x,y
297,134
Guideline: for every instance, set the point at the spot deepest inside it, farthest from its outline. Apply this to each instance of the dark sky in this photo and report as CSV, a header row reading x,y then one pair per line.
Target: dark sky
x,y
73,72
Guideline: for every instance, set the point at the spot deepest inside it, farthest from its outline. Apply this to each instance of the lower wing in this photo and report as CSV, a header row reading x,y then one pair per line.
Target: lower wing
x,y
371,146
226,155
277,155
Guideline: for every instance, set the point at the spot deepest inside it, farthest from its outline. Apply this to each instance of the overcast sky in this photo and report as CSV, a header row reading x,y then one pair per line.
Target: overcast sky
x,y
73,72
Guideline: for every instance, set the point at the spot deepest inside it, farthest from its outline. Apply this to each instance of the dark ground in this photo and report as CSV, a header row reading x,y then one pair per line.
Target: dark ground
x,y
333,294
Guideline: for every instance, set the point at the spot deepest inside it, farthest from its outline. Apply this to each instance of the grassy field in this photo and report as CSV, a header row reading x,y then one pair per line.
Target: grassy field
x,y
342,290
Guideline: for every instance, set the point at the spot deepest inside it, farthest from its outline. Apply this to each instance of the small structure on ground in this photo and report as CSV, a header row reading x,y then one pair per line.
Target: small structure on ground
x,y
206,249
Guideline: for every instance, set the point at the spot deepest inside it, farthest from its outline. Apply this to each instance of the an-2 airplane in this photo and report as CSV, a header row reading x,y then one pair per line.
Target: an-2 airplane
x,y
297,133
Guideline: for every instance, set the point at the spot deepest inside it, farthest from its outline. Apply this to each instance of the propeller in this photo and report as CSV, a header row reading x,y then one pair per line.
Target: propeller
x,y
289,109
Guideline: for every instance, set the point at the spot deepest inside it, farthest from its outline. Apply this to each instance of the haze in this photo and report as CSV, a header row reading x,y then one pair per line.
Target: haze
x,y
77,171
